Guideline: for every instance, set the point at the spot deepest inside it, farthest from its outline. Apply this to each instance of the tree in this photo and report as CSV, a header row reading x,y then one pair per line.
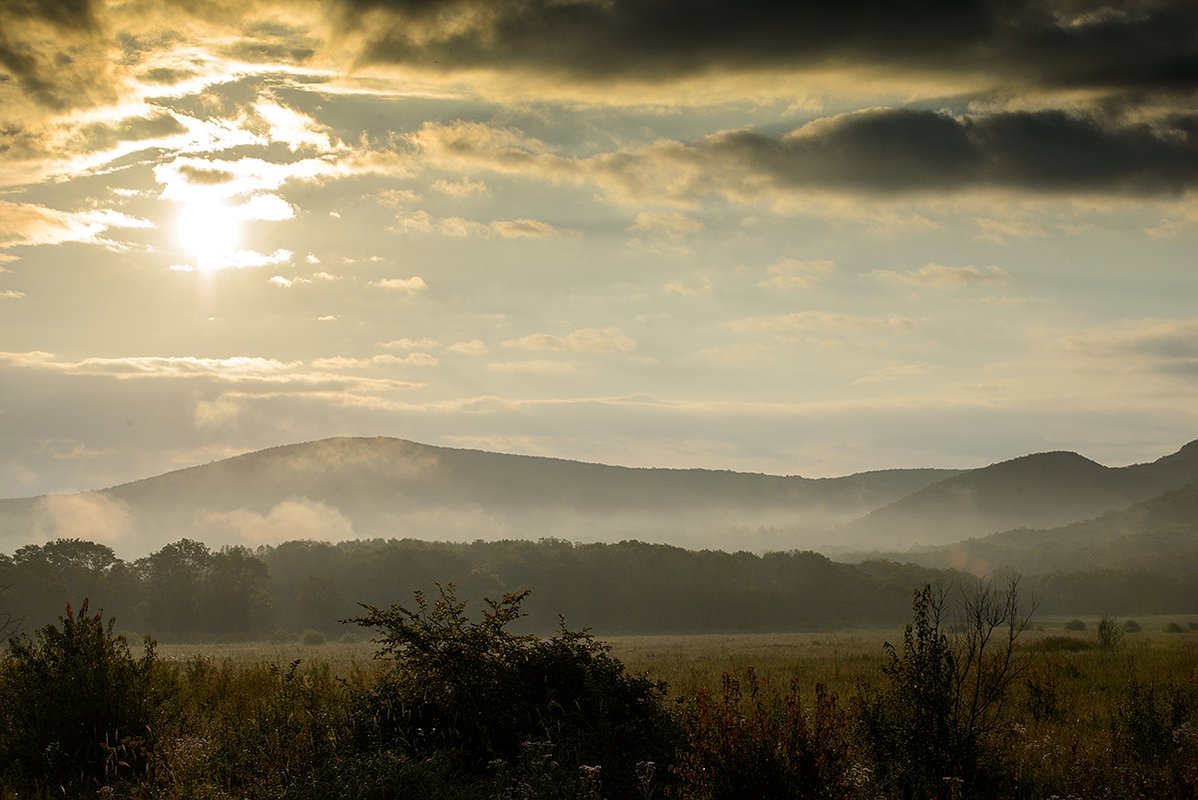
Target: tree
x,y
172,578
947,691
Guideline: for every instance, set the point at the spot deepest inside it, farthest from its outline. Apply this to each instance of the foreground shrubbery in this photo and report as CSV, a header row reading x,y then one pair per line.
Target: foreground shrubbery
x,y
461,707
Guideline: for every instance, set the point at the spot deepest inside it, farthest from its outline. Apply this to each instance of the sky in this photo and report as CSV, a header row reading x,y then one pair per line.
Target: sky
x,y
784,237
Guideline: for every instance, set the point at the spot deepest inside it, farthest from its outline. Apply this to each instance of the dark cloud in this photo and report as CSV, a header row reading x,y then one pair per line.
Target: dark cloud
x,y
205,177
910,150
1145,44
269,52
46,68
134,129
76,14
167,76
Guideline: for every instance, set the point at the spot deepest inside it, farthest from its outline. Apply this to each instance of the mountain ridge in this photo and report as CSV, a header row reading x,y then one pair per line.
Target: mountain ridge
x,y
1039,490
382,486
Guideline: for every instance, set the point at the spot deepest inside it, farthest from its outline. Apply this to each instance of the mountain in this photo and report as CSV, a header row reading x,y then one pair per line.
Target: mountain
x,y
1043,490
1158,536
346,488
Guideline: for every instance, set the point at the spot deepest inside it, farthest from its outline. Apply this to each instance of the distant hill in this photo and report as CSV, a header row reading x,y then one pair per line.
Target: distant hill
x,y
1159,536
1035,491
346,488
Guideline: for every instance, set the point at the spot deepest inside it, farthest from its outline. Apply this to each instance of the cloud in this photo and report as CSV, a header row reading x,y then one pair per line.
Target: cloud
x,y
295,518
670,224
385,359
90,515
523,229
473,347
412,285
460,228
938,276
1161,345
1058,45
463,188
297,130
532,367
424,343
820,321
316,277
701,289
793,273
186,177
28,224
583,340
882,151
265,207
215,412
11,294
893,373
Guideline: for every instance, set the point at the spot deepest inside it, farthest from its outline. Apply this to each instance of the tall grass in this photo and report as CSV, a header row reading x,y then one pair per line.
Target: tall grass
x,y
757,716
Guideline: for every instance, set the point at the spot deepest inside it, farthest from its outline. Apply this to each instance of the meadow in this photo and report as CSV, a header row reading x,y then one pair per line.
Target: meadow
x,y
441,705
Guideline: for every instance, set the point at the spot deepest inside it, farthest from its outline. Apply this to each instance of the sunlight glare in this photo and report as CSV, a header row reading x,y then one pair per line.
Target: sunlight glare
x,y
210,230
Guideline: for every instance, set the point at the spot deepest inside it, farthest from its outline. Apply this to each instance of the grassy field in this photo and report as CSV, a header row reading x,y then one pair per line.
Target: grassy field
x,y
840,660
821,715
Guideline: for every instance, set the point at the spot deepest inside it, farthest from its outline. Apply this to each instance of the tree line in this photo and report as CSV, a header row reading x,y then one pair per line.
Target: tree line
x,y
189,591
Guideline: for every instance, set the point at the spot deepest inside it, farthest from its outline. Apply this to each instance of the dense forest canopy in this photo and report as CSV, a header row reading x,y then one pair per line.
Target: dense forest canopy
x,y
189,591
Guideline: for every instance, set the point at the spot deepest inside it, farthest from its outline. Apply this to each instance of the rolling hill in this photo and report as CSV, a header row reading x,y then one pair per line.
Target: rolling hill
x,y
1157,536
348,488
1043,490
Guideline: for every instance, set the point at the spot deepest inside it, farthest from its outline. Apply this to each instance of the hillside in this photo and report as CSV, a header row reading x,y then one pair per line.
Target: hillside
x,y
1043,490
348,488
1158,536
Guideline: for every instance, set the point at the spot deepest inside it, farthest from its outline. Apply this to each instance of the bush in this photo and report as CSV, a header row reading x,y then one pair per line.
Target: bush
x,y
477,694
1075,625
1173,627
1131,626
929,731
78,705
312,638
1110,635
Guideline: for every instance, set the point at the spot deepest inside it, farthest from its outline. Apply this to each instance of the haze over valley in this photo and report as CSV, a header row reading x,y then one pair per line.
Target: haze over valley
x,y
340,489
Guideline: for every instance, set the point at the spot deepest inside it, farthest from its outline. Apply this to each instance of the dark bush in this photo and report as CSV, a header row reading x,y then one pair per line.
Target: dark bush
x,y
78,706
1173,627
1131,626
477,694
1075,625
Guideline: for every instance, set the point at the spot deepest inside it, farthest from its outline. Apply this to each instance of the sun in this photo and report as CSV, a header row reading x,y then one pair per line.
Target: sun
x,y
210,230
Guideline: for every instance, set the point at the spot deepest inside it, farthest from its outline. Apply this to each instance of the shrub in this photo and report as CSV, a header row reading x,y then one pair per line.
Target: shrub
x,y
930,727
78,705
312,638
476,693
1110,635
1075,625
1131,626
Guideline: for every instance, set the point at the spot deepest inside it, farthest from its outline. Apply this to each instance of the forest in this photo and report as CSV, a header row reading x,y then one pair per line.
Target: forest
x,y
187,591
